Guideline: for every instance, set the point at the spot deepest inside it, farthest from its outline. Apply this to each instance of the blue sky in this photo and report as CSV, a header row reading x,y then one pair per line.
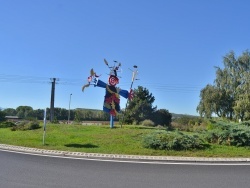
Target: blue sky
x,y
174,43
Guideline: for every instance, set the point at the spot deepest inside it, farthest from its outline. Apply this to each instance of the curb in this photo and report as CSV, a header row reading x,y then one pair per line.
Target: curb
x,y
118,156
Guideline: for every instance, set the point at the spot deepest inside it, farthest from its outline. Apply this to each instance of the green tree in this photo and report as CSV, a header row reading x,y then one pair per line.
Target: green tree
x,y
141,107
242,107
10,111
162,117
230,90
2,116
61,113
24,112
206,105
213,100
38,114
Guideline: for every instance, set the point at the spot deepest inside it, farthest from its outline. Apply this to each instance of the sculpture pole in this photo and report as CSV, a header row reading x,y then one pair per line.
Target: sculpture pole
x,y
134,74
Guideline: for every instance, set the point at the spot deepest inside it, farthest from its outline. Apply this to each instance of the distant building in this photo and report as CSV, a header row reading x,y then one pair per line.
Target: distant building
x,y
12,118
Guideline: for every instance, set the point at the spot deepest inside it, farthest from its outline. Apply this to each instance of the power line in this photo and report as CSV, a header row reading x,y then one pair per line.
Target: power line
x,y
172,87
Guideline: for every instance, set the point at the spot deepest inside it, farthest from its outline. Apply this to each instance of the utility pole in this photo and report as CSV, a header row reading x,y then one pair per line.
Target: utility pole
x,y
52,100
69,107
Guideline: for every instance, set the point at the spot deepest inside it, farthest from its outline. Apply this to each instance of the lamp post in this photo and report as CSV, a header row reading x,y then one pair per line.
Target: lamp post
x,y
69,107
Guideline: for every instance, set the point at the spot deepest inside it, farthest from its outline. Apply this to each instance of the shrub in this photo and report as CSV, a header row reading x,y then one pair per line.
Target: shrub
x,y
33,125
190,124
6,124
166,140
148,123
229,135
26,125
19,126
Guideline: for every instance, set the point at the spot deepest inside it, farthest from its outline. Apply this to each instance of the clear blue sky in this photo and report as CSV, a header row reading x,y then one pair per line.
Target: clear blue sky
x,y
174,43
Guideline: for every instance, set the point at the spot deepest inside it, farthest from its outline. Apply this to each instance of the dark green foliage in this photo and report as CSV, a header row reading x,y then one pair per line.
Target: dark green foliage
x,y
6,124
231,134
162,117
141,107
166,140
247,123
10,112
25,112
2,116
33,125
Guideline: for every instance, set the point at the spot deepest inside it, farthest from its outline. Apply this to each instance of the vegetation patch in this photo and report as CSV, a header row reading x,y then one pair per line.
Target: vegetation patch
x,y
229,134
173,140
25,125
6,124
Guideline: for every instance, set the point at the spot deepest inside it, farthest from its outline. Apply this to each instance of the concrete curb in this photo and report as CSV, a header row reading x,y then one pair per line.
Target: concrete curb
x,y
118,156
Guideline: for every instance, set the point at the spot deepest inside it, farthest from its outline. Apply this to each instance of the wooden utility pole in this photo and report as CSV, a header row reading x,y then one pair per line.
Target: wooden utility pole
x,y
52,100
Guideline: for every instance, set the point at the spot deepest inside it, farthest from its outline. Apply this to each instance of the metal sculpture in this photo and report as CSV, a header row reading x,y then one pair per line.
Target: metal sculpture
x,y
111,102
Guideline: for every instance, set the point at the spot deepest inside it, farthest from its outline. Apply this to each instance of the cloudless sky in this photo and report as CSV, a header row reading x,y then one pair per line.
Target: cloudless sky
x,y
175,43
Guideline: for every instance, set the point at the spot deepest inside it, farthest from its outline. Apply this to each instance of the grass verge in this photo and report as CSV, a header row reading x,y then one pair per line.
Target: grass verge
x,y
102,139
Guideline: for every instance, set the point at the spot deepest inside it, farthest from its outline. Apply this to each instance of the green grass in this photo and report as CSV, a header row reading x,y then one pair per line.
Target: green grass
x,y
102,139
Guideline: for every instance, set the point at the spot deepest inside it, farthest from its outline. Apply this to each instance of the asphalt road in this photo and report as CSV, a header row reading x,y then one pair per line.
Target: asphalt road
x,y
26,171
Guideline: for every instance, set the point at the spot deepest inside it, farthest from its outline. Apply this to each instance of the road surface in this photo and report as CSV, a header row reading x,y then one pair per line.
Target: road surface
x,y
26,171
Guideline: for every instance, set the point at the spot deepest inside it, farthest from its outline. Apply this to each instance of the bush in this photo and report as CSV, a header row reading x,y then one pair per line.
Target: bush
x,y
190,124
148,123
33,125
6,124
166,140
232,135
26,125
19,126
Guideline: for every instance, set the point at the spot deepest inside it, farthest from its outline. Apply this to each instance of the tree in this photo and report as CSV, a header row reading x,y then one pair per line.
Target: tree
x,y
24,112
162,117
141,107
61,113
38,114
213,100
230,90
2,116
242,107
206,105
10,111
